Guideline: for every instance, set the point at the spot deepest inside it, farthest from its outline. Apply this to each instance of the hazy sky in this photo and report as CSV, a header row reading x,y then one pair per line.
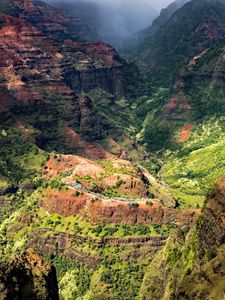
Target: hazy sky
x,y
120,18
158,4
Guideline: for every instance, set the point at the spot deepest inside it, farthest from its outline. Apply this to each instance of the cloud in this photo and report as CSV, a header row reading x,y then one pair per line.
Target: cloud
x,y
157,4
115,19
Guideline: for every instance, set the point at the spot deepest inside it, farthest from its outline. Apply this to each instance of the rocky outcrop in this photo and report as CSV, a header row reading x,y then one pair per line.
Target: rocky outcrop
x,y
47,61
192,267
113,210
87,64
52,23
28,276
207,278
132,214
211,226
70,245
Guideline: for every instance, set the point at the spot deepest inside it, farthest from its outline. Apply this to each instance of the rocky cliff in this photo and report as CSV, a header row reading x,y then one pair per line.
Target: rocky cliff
x,y
28,276
47,61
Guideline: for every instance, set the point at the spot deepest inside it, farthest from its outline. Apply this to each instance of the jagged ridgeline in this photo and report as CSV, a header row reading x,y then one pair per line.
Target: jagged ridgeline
x,y
109,176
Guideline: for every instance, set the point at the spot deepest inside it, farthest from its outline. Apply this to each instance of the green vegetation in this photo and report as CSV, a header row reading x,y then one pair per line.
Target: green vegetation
x,y
117,115
75,279
20,159
192,171
111,170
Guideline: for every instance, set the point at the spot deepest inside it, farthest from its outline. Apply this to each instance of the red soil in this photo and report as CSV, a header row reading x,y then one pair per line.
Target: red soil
x,y
76,165
130,186
185,133
65,202
177,103
172,102
94,211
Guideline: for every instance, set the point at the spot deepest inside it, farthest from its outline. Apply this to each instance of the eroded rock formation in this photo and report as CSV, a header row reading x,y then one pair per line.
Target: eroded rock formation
x,y
28,276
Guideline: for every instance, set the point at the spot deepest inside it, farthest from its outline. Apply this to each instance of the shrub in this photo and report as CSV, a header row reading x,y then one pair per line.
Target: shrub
x,y
97,230
149,203
27,185
133,205
76,194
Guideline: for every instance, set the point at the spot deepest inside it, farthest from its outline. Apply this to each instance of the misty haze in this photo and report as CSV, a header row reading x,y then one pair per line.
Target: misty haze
x,y
113,20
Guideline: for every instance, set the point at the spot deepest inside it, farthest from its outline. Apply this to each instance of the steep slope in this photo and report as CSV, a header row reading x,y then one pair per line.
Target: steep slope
x,y
189,120
87,11
74,183
192,267
45,68
62,94
185,114
28,276
193,28
195,94
164,16
210,251
134,44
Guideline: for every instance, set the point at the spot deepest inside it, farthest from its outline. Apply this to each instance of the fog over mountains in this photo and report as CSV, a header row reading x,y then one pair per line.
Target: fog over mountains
x,y
114,20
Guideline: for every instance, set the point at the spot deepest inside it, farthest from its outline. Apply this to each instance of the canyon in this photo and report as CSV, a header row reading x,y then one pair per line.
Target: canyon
x,y
111,172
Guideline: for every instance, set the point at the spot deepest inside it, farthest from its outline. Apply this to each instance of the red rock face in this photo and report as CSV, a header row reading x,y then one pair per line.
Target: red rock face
x,y
124,213
46,63
102,51
67,203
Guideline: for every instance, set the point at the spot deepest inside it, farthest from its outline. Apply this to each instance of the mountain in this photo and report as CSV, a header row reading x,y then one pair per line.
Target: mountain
x,y
185,112
190,68
134,43
164,16
60,66
88,12
190,30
